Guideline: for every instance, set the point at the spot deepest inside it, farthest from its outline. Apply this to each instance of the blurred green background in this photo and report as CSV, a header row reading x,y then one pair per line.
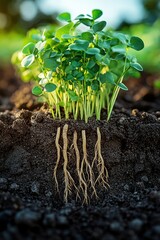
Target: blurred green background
x,y
138,17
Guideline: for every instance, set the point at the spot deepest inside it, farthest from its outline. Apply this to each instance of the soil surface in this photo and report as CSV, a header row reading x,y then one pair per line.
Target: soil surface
x,y
30,207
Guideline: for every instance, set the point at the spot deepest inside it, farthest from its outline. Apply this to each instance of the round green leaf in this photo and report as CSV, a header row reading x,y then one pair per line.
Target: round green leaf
x,y
64,17
87,36
93,51
107,78
136,43
79,45
37,91
27,61
50,87
137,66
119,49
50,64
97,27
29,48
96,13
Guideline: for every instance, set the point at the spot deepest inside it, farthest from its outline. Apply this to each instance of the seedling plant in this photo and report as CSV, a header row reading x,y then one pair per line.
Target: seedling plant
x,y
80,72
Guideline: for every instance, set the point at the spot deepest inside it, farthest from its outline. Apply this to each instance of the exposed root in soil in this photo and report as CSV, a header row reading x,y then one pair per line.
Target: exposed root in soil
x,y
82,183
88,168
84,169
58,156
98,161
68,180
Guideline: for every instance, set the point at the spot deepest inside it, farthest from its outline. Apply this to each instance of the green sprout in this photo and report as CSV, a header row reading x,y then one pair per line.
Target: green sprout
x,y
79,71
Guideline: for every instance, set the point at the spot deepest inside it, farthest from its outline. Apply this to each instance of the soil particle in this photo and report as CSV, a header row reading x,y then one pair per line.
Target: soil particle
x,y
35,187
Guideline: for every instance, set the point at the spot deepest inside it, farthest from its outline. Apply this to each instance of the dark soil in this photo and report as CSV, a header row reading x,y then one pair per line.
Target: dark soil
x,y
30,207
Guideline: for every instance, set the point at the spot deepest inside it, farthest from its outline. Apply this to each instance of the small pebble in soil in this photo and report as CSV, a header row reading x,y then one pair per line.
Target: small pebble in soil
x,y
135,112
35,187
116,227
3,184
140,185
136,224
121,120
139,167
126,187
62,220
158,113
48,194
144,179
14,186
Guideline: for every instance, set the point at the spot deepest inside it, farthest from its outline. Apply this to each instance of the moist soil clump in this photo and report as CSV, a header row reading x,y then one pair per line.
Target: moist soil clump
x,y
31,208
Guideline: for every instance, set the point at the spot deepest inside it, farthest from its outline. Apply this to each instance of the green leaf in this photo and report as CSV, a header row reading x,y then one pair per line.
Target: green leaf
x,y
96,13
104,44
91,64
95,85
119,56
64,30
93,51
87,36
67,36
136,66
80,16
107,78
64,17
79,45
50,87
99,57
97,27
122,37
69,68
29,48
136,43
122,86
37,91
50,64
86,21
82,42
119,49
75,64
27,61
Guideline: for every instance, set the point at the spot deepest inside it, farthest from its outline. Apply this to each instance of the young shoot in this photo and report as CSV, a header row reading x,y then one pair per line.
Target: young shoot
x,y
79,71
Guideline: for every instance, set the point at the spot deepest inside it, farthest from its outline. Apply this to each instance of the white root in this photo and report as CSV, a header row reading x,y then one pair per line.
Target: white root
x,y
90,179
68,180
102,170
82,183
85,170
58,156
